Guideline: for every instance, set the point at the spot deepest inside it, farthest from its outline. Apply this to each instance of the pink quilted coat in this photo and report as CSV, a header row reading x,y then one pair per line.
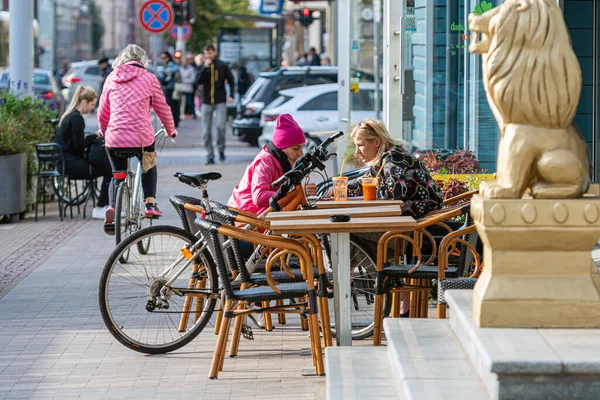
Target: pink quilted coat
x,y
255,189
120,123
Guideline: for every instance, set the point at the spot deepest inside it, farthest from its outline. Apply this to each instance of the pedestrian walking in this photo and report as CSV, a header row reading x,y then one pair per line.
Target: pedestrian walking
x,y
188,81
198,61
213,75
167,77
313,57
105,70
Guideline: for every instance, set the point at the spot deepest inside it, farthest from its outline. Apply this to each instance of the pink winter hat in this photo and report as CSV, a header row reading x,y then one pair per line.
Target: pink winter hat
x,y
287,132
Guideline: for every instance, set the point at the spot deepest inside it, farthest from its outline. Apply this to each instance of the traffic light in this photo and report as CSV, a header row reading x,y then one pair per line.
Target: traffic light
x,y
305,17
177,54
180,11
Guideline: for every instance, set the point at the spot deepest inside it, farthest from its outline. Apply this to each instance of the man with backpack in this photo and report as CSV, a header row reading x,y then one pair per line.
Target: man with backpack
x,y
213,74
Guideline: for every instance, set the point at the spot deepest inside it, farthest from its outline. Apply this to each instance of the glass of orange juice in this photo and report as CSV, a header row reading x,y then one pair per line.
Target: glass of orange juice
x,y
340,188
369,186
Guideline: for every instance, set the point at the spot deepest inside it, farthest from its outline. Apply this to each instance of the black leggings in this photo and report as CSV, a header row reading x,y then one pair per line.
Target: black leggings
x,y
80,168
118,160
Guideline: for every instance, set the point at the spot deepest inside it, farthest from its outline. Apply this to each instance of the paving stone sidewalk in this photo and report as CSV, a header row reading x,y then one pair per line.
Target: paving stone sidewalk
x,y
54,345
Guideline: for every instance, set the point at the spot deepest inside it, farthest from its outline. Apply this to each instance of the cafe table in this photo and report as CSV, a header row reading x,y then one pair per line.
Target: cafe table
x,y
356,202
312,221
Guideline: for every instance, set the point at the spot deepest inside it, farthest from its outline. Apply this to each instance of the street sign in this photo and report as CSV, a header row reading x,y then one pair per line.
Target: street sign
x,y
156,16
271,6
186,31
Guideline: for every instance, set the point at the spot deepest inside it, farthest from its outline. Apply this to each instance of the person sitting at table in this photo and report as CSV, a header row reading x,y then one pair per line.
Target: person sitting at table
x,y
84,156
275,159
403,176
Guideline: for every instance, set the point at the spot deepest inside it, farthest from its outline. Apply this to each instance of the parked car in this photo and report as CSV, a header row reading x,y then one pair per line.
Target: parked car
x,y
315,108
86,73
267,88
44,86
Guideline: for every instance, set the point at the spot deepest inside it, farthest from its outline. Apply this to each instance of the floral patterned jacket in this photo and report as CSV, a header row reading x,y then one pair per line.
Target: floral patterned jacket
x,y
404,178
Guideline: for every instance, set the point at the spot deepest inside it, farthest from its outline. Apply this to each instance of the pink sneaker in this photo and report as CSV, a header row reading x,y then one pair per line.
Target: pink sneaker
x,y
152,211
109,221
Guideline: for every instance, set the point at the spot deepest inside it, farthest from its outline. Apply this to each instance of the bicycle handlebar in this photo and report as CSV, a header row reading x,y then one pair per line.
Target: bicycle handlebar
x,y
302,168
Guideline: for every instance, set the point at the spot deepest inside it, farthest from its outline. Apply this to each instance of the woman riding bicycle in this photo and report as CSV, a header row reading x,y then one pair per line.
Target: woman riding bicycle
x,y
80,163
124,118
275,159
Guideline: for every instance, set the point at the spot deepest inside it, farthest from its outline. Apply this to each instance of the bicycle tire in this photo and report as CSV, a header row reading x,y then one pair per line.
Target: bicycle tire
x,y
123,216
367,290
131,323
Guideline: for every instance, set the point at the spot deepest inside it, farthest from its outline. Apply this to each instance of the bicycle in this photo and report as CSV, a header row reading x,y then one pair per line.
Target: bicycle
x,y
129,200
149,286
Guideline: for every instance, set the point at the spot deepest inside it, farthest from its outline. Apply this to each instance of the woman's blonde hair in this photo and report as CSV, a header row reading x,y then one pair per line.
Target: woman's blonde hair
x,y
371,129
82,93
132,52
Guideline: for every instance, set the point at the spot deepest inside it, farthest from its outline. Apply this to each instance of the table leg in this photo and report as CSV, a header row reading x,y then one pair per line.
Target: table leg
x,y
340,249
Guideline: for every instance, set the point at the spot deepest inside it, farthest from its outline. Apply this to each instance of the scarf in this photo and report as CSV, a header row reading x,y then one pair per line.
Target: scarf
x,y
279,156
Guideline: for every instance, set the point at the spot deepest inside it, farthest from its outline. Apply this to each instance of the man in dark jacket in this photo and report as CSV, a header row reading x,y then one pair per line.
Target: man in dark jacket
x,y
213,74
106,70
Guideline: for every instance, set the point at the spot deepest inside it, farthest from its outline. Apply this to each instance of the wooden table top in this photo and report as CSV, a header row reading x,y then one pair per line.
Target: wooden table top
x,y
324,225
354,212
357,202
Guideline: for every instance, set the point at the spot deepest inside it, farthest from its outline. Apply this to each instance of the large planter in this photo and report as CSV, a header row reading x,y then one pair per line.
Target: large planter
x,y
13,183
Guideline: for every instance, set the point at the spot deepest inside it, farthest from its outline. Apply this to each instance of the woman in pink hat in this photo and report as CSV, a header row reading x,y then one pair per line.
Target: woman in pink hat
x,y
275,159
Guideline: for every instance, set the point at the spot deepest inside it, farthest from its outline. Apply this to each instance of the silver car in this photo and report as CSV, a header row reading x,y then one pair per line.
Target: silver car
x,y
86,73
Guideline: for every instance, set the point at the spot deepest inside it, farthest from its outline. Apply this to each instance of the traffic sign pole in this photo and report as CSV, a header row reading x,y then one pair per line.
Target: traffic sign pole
x,y
180,44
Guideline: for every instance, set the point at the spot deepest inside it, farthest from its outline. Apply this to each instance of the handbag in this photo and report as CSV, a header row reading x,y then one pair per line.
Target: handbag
x,y
149,158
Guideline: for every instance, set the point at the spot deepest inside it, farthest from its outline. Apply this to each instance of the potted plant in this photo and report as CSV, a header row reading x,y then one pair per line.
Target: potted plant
x,y
21,127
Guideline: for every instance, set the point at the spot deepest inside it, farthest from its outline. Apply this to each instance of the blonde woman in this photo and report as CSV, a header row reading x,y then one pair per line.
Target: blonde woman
x,y
130,92
403,177
80,163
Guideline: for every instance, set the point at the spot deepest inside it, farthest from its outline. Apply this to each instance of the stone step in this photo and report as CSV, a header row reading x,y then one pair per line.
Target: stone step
x,y
359,372
429,362
527,363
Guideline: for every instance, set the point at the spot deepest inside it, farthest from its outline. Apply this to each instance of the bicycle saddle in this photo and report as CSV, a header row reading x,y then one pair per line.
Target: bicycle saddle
x,y
197,179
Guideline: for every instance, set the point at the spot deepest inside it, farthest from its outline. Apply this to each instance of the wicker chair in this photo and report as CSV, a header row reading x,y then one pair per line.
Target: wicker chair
x,y
416,277
236,300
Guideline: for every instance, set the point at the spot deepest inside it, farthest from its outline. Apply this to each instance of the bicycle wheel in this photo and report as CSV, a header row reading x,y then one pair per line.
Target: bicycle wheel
x,y
123,216
77,193
139,310
363,273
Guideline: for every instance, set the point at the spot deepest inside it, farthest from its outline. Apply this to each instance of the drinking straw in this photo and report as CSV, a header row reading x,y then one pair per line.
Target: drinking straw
x,y
342,169
380,169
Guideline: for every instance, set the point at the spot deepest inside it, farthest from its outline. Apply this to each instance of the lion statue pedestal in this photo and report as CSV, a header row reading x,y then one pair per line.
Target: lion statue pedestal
x,y
538,268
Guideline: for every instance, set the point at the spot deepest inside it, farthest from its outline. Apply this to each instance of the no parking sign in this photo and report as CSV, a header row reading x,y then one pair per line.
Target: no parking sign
x,y
156,16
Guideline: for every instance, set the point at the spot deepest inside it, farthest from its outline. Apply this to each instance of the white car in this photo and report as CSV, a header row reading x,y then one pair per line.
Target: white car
x,y
86,73
315,108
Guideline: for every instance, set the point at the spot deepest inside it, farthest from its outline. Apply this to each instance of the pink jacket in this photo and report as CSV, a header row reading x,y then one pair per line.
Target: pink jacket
x,y
120,123
255,189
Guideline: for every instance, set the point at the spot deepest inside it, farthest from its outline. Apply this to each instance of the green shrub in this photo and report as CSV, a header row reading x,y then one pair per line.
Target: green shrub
x,y
22,126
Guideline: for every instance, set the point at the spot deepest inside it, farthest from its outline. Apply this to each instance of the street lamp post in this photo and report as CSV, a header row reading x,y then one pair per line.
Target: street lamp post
x,y
20,46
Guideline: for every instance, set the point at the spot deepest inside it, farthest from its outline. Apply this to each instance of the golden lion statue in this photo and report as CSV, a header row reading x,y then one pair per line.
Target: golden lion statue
x,y
533,81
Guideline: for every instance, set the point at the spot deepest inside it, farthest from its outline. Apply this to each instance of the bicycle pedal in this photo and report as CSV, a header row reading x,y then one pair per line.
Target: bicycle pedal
x,y
247,332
